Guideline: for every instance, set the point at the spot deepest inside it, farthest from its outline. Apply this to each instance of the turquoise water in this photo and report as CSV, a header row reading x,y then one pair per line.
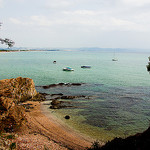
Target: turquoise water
x,y
119,103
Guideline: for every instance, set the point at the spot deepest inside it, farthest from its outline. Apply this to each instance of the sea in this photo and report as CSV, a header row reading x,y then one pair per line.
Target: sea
x,y
118,103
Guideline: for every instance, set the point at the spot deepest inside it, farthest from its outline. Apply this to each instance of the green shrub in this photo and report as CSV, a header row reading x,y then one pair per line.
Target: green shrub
x,y
10,137
12,146
95,146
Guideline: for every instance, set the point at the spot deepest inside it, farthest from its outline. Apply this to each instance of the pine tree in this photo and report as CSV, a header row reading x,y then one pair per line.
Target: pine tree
x,y
6,41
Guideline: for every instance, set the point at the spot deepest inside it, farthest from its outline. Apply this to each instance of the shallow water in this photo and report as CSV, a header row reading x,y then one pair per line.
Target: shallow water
x,y
107,112
119,97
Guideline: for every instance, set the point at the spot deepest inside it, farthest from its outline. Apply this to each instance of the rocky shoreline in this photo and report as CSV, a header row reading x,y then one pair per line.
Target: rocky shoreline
x,y
58,101
22,120
24,126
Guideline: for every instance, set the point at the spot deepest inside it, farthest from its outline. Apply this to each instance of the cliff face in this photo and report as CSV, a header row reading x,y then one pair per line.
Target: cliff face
x,y
19,88
13,91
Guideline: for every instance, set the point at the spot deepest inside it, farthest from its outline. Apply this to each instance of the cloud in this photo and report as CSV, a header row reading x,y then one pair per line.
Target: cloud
x,y
102,23
134,3
126,25
19,1
41,20
1,3
84,12
15,21
112,15
57,4
19,22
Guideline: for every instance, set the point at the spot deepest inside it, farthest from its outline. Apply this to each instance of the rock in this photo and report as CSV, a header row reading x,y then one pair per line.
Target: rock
x,y
12,93
72,97
77,84
49,86
61,84
39,97
18,88
55,107
67,97
67,117
55,102
57,94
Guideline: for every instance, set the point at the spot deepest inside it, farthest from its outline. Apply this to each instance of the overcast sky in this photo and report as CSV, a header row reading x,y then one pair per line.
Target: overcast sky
x,y
76,23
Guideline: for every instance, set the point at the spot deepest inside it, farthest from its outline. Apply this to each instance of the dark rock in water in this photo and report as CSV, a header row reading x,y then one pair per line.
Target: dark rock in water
x,y
77,84
59,106
55,102
61,83
67,97
72,97
46,86
49,86
55,107
57,94
52,85
67,117
44,94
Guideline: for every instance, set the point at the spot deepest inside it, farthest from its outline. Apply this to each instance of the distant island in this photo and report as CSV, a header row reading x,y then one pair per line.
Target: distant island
x,y
90,49
6,50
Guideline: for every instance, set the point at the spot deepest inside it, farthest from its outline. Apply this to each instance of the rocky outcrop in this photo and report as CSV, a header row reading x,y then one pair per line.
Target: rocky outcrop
x,y
61,84
20,89
56,104
12,92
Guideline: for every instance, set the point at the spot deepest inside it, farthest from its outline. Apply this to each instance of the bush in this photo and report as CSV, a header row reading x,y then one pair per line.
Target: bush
x,y
10,137
12,146
95,146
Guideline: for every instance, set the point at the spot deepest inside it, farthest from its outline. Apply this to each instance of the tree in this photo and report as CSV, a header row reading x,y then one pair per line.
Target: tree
x,y
6,41
148,66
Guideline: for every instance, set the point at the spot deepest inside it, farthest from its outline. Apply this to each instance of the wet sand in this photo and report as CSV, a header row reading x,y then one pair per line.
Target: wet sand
x,y
50,131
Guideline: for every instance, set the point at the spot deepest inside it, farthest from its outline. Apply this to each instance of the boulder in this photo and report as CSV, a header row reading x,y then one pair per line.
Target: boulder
x,y
67,117
55,107
12,92
55,102
20,89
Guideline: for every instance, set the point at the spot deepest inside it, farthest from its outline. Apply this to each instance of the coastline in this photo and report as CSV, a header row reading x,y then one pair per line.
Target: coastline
x,y
51,128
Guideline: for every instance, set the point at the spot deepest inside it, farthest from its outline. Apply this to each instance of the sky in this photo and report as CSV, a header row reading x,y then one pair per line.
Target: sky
x,y
76,23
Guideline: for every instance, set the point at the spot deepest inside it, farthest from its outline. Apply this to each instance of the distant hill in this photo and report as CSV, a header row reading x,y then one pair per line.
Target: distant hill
x,y
81,49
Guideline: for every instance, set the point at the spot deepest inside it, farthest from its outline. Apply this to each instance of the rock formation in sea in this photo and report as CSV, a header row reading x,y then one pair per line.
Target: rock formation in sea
x,y
12,93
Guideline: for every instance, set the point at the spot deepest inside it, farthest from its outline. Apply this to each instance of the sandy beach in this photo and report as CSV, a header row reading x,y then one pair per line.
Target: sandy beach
x,y
40,132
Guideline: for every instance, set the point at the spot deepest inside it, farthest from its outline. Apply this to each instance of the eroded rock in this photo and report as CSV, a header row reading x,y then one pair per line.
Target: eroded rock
x,y
12,93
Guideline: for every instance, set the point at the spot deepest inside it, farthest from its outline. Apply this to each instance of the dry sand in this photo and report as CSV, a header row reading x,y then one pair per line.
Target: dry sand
x,y
42,132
